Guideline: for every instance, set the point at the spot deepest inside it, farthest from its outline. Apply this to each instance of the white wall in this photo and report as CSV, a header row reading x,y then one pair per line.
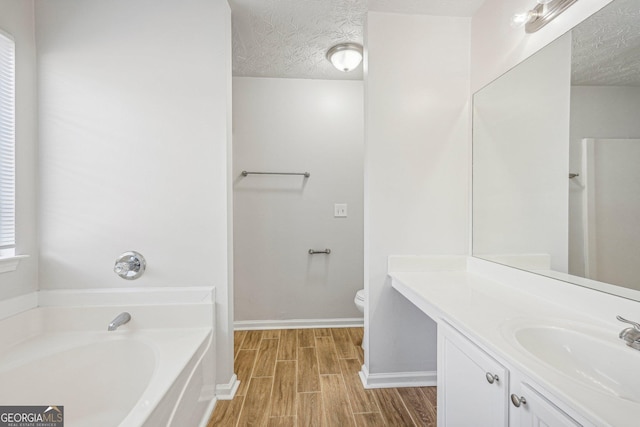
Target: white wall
x,y
416,176
294,125
16,18
134,145
496,46
596,112
521,159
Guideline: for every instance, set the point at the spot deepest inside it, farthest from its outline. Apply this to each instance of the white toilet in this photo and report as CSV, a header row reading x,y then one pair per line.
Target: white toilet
x,y
359,300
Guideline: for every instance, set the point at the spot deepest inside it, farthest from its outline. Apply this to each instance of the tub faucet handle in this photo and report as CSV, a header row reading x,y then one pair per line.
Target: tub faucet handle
x,y
130,265
122,267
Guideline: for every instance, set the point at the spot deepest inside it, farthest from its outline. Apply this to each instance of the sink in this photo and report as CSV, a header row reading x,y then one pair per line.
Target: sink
x,y
590,356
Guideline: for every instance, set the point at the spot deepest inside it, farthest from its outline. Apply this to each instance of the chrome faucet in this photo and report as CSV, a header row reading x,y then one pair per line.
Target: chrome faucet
x,y
631,336
120,320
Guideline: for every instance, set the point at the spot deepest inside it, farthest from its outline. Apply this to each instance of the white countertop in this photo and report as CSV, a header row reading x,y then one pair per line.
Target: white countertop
x,y
487,311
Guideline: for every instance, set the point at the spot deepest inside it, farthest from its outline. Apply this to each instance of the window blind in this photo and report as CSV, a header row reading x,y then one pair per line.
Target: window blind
x,y
7,142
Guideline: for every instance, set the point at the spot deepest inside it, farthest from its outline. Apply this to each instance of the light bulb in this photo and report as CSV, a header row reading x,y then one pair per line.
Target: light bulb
x,y
519,19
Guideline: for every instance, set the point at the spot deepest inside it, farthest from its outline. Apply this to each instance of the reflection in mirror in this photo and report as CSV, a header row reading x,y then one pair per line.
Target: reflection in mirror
x,y
556,149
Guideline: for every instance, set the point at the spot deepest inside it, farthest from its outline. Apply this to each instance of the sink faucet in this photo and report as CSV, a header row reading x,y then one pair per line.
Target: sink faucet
x,y
120,320
631,336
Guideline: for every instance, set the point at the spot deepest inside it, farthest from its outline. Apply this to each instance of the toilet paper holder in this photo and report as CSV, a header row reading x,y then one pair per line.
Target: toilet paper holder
x,y
314,252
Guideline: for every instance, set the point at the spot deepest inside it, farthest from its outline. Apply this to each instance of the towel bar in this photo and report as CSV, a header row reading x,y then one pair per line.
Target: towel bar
x,y
305,174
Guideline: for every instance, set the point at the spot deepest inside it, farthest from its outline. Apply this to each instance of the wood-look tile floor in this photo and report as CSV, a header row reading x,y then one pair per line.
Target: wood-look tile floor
x,y
309,377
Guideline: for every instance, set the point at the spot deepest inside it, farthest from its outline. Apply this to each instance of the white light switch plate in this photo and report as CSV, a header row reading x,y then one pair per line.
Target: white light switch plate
x,y
340,210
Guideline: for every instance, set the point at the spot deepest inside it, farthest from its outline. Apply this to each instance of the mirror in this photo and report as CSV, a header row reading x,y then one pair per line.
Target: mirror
x,y
556,155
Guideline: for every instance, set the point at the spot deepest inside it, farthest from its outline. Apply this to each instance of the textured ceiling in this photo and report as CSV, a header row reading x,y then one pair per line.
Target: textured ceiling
x,y
289,38
427,7
606,47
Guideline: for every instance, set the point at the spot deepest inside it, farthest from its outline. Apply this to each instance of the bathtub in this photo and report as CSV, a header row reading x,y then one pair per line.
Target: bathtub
x,y
156,370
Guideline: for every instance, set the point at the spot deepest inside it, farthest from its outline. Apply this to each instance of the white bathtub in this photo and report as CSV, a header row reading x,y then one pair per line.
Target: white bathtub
x,y
155,370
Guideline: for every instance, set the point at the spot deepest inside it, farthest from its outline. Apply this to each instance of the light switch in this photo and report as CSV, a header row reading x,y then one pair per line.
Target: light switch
x,y
340,210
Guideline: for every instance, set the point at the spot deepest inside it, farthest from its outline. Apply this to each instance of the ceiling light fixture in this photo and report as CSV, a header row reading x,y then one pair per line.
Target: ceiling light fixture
x,y
345,56
543,13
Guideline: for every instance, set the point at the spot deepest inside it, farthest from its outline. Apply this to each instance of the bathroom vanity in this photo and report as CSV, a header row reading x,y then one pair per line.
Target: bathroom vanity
x,y
511,356
527,329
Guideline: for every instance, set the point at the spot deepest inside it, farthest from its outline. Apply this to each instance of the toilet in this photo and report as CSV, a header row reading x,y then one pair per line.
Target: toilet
x,y
359,300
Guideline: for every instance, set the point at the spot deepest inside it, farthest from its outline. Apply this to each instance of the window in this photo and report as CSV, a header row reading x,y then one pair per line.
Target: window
x,y
7,146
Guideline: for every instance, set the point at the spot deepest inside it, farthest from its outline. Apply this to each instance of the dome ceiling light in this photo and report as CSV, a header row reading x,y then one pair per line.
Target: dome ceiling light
x,y
345,56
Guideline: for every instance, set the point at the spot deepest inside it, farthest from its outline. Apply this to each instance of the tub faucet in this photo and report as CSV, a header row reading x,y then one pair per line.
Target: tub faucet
x,y
120,320
631,336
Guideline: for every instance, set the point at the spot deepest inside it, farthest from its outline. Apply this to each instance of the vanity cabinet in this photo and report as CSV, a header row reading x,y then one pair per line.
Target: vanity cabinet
x,y
472,386
474,389
538,411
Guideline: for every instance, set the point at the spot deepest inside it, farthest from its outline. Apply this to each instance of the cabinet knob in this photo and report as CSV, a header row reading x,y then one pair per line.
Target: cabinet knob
x,y
491,378
517,401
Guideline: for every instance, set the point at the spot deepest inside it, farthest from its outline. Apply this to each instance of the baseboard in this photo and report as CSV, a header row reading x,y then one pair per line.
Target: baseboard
x,y
248,325
397,379
227,391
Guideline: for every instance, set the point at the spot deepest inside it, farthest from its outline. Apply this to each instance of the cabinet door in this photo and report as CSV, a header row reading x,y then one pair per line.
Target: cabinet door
x,y
473,386
539,412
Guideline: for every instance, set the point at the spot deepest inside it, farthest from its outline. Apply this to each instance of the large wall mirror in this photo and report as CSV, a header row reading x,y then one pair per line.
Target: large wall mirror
x,y
556,157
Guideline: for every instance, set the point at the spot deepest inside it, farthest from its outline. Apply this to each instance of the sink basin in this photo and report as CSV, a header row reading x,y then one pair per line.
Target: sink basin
x,y
589,356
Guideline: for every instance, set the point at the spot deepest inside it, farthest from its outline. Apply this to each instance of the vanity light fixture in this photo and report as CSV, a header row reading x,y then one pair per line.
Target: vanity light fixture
x,y
543,13
345,56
